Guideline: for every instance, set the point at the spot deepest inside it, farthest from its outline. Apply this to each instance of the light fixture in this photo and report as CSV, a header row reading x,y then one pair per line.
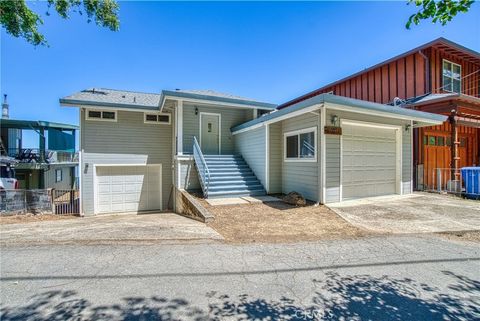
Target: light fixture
x,y
407,127
334,120
196,110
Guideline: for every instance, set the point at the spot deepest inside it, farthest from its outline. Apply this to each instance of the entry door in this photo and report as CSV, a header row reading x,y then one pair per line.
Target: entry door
x,y
210,133
369,161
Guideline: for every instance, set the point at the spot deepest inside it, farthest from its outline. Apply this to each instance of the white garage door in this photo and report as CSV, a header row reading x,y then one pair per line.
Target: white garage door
x,y
128,188
369,161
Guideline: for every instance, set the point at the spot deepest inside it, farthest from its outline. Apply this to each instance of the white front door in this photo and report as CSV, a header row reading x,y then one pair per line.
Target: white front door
x,y
122,189
210,133
369,163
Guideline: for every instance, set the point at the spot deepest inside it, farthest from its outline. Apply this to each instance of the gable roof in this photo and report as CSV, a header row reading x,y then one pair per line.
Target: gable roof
x,y
214,96
356,104
441,43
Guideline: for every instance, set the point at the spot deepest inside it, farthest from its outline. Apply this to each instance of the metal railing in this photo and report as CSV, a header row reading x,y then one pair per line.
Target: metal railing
x,y
451,181
202,168
35,155
39,201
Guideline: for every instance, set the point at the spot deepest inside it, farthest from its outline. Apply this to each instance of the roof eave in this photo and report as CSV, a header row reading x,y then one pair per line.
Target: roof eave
x,y
177,95
65,102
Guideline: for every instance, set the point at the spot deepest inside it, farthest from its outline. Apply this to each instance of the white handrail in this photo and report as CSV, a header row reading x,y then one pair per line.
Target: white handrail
x,y
203,172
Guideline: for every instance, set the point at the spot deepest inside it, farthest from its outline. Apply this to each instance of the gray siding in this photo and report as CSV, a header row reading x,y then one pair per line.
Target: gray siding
x,y
189,176
127,141
230,117
251,145
333,153
67,177
276,152
301,177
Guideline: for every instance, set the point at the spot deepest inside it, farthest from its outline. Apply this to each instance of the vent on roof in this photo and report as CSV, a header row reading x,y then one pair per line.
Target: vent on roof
x,y
94,91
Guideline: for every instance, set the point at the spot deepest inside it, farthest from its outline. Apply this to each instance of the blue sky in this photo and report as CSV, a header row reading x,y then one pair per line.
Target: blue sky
x,y
273,51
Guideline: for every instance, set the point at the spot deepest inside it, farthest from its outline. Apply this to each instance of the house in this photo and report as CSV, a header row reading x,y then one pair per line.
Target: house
x,y
50,165
440,77
137,150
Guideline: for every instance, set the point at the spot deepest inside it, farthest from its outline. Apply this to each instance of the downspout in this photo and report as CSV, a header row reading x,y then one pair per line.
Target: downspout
x,y
454,146
427,71
417,138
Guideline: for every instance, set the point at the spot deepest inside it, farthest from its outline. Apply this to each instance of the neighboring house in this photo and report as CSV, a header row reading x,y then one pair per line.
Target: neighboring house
x,y
439,77
51,165
137,149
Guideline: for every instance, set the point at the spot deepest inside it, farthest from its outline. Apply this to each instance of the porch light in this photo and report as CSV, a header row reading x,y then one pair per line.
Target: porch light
x,y
334,120
196,110
407,127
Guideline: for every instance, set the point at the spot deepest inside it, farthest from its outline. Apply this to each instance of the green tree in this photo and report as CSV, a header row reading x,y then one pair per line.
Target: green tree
x,y
442,11
20,21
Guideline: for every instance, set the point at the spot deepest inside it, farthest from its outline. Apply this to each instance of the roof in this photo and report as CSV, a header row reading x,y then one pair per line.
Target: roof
x,y
350,102
214,96
442,43
29,124
113,98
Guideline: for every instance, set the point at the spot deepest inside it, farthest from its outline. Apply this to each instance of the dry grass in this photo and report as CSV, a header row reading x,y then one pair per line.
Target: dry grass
x,y
279,222
28,218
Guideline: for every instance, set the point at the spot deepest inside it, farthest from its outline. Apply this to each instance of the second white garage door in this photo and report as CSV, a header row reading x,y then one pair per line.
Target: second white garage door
x,y
369,161
122,189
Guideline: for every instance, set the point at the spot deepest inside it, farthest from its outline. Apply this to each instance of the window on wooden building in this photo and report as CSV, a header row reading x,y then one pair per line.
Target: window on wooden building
x,y
452,76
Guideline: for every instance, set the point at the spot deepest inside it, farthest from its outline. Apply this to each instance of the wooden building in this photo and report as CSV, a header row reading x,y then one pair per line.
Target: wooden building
x,y
439,77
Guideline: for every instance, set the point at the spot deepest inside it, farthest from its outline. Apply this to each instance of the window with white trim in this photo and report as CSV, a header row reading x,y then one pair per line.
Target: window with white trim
x,y
58,175
101,115
301,145
157,118
452,76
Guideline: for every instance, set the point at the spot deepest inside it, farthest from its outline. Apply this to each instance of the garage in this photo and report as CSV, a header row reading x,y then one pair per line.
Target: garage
x,y
128,188
370,160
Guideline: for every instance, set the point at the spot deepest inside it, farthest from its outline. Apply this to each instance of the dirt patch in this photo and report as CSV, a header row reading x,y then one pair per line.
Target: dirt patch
x,y
467,236
279,222
27,218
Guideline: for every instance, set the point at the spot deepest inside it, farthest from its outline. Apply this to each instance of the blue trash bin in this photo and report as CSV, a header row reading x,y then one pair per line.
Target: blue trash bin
x,y
471,181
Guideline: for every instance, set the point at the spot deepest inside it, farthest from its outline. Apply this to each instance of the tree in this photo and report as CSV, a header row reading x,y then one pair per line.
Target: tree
x,y
20,21
441,10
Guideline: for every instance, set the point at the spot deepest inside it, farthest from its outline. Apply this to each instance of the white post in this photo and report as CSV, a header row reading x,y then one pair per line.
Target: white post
x,y
179,121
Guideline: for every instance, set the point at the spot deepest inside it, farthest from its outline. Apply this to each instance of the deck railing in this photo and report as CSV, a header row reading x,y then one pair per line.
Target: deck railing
x,y
35,155
202,168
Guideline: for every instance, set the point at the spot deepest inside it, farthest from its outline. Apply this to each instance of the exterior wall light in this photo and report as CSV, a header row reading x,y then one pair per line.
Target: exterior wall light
x,y
334,120
196,110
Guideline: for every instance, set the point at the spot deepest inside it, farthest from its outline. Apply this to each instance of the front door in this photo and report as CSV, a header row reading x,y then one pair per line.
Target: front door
x,y
210,133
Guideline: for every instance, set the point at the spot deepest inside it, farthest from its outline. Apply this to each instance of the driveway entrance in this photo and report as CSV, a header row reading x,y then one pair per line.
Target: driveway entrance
x,y
414,213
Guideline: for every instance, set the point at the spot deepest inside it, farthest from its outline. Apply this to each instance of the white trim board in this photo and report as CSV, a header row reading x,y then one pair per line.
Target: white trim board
x,y
95,180
211,103
219,130
297,133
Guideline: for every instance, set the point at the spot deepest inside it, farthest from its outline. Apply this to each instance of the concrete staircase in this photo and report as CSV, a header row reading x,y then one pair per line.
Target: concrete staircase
x,y
230,176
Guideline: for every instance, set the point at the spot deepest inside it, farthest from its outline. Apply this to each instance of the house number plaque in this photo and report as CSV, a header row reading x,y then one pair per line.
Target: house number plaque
x,y
333,130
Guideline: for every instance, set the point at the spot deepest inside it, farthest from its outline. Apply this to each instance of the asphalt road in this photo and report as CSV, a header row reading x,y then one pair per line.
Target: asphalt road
x,y
384,278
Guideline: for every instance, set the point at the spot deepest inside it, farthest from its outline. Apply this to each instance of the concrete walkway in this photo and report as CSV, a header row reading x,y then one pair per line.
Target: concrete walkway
x,y
414,213
157,227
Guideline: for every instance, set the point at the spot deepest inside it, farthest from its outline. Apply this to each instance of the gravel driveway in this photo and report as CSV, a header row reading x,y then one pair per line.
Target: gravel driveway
x,y
414,213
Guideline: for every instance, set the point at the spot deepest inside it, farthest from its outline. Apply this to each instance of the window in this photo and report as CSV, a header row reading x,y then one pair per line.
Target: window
x,y
157,118
301,145
441,141
452,76
101,115
58,175
432,140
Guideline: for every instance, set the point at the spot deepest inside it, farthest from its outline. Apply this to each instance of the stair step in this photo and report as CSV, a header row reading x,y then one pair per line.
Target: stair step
x,y
229,187
237,193
236,179
207,157
228,167
225,162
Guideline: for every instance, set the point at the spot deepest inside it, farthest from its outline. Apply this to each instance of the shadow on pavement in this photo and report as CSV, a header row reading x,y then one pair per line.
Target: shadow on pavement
x,y
336,297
